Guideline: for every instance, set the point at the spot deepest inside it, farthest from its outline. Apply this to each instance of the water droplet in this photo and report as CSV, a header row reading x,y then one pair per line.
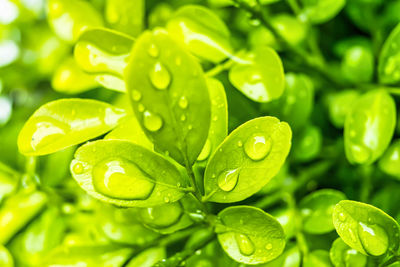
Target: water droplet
x,y
213,175
373,238
190,127
227,180
153,51
183,117
78,168
215,118
166,199
178,184
342,217
268,246
240,143
46,131
246,246
183,103
122,179
205,152
140,108
257,146
136,95
152,122
160,76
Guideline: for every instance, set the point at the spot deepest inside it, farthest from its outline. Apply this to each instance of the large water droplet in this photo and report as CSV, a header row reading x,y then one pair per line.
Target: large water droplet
x,y
153,51
206,151
246,246
257,146
152,122
160,76
227,180
46,131
161,216
373,238
183,103
122,179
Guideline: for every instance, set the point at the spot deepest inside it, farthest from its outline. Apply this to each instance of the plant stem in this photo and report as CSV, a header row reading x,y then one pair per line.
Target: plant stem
x,y
260,15
393,259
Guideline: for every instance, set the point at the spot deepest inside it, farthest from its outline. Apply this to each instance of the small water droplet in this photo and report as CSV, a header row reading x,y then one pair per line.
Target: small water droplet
x,y
227,180
153,51
152,122
240,143
268,246
160,76
205,152
257,146
136,95
213,175
246,246
183,103
215,118
121,179
178,184
190,127
166,199
140,107
342,217
78,168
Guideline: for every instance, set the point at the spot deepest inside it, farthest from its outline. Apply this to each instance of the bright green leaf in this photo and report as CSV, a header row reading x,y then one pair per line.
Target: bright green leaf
x,y
259,75
247,159
318,258
320,11
365,228
6,259
389,59
125,174
340,104
125,15
358,64
344,256
169,96
148,258
389,163
63,123
249,235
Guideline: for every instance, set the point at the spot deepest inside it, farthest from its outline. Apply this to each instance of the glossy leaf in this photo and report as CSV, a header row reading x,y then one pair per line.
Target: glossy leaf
x,y
316,210
259,75
17,211
369,127
105,53
148,257
202,31
8,183
389,163
125,15
125,174
389,59
320,11
307,144
340,104
69,18
365,228
169,96
247,159
358,64
289,258
6,259
68,78
317,258
344,256
219,118
249,235
63,123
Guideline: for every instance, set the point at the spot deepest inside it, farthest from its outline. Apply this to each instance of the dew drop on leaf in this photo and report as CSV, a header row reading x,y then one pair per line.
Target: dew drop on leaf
x,y
152,122
227,180
246,246
122,179
136,95
342,217
140,108
77,168
183,103
373,238
206,151
240,143
257,146
160,76
153,51
268,246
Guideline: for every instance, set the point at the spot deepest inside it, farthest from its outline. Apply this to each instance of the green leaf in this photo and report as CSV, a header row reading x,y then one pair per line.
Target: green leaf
x,y
318,258
247,160
344,256
369,127
202,31
17,211
259,75
320,11
249,235
389,163
130,130
219,118
148,258
389,59
105,53
63,123
316,210
289,258
8,183
366,228
68,78
358,64
6,260
126,16
307,144
125,174
340,104
170,96
68,18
